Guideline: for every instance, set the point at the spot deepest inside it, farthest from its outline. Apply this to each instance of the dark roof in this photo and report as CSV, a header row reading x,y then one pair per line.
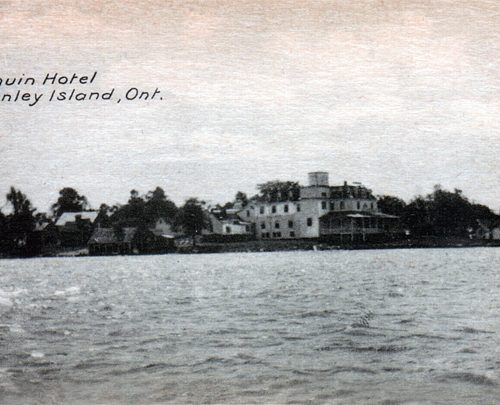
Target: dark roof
x,y
108,235
223,215
72,216
128,234
357,214
41,226
103,235
488,225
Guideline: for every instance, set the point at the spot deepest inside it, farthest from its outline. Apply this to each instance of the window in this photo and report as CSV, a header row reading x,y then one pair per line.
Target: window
x,y
298,207
278,234
323,194
273,209
309,221
248,213
285,208
247,228
323,205
292,234
358,205
261,210
228,229
262,225
332,206
371,205
277,225
342,205
290,224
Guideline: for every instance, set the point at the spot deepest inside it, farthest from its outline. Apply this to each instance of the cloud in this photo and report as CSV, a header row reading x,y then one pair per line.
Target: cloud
x,y
393,93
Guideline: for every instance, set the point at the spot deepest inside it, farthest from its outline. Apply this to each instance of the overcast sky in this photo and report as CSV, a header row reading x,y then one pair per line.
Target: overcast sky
x,y
399,95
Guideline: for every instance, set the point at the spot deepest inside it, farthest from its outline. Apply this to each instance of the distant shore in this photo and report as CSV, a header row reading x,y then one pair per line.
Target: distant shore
x,y
305,244
299,244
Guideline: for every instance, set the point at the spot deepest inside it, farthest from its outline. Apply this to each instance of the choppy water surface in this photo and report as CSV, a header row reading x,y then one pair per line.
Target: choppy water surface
x,y
419,326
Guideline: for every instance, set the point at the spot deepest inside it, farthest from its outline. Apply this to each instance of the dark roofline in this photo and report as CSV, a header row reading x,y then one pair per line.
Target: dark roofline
x,y
366,213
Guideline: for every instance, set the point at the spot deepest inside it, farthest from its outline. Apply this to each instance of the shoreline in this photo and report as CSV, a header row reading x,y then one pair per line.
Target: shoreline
x,y
286,245
289,245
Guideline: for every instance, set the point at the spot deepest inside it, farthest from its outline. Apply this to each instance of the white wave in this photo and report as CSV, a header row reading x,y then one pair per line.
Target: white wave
x,y
68,291
37,355
5,302
16,329
7,297
12,294
6,383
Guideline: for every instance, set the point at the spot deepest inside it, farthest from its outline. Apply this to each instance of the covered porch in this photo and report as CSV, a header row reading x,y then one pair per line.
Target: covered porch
x,y
358,226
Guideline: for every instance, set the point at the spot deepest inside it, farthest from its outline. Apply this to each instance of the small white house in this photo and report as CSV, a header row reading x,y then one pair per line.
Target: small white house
x,y
226,223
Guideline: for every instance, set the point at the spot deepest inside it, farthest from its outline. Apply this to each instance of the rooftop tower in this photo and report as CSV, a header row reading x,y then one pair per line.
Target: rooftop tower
x,y
318,179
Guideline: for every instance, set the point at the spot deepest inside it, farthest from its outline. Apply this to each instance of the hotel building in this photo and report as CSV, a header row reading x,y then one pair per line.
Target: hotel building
x,y
334,213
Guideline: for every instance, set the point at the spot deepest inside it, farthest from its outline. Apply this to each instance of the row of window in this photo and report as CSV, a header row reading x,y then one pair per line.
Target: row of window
x,y
274,208
228,229
290,224
277,235
276,225
342,205
367,223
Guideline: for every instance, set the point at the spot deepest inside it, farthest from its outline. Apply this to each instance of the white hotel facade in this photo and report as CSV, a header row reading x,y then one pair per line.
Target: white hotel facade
x,y
345,212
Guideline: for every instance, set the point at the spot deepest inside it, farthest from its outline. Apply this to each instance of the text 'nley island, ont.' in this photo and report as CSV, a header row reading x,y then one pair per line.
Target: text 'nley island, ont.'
x,y
17,90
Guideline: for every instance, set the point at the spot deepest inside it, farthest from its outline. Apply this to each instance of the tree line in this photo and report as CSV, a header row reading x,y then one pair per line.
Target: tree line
x,y
441,213
19,223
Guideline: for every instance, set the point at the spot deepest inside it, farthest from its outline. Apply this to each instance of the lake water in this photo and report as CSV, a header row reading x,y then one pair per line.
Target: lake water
x,y
393,326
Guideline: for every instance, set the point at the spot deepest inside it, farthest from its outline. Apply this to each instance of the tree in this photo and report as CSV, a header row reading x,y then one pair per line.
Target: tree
x,y
449,212
144,210
19,224
191,217
130,214
159,206
445,213
69,201
19,202
135,207
416,217
391,205
240,201
3,231
242,198
276,190
483,213
102,218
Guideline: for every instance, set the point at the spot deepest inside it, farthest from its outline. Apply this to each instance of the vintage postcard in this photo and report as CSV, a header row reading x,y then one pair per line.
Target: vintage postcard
x,y
249,202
